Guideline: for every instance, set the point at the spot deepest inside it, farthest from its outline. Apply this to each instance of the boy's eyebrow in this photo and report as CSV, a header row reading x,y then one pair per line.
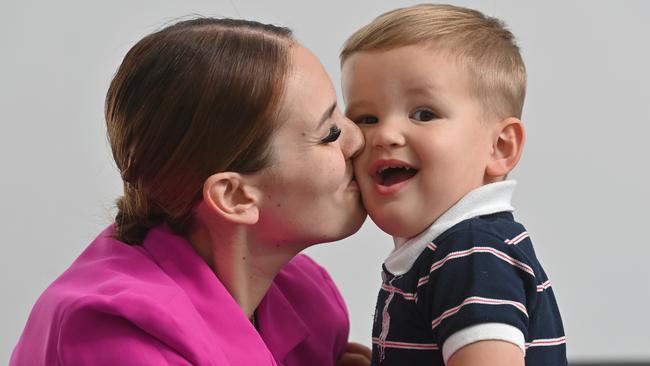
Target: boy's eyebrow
x,y
356,104
326,115
428,88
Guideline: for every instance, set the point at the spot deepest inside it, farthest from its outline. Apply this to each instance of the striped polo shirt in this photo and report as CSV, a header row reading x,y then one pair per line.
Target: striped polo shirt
x,y
472,275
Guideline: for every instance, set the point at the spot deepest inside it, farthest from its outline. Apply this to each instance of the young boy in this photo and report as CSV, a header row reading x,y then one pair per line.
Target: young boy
x,y
438,92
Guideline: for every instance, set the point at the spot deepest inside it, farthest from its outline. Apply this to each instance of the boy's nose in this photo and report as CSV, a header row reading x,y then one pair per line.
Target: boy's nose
x,y
386,134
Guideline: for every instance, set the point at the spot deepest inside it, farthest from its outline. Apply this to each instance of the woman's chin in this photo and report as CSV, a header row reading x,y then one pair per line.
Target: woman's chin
x,y
354,223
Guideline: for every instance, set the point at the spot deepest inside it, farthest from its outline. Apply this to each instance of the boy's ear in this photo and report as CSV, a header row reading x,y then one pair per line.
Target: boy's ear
x,y
229,195
507,146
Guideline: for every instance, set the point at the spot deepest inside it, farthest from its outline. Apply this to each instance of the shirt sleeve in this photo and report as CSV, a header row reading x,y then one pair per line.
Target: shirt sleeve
x,y
92,337
477,288
482,332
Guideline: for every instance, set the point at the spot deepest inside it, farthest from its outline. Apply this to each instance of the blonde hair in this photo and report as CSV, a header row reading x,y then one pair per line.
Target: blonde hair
x,y
482,44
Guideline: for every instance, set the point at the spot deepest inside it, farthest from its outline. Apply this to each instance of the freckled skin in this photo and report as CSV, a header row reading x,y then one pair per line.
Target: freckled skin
x,y
310,193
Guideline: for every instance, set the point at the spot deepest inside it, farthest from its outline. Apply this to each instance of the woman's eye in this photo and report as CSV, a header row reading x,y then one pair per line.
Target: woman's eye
x,y
365,120
333,135
423,115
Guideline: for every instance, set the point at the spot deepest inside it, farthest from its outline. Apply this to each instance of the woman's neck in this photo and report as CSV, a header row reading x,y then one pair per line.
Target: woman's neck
x,y
244,266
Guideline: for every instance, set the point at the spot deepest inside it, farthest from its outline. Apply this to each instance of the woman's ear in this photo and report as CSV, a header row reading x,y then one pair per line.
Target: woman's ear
x,y
229,195
507,146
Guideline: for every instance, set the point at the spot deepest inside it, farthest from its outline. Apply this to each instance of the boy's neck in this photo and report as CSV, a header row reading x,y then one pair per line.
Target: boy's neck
x,y
484,200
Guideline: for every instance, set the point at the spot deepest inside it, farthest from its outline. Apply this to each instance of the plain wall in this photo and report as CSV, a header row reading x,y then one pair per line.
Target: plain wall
x,y
583,179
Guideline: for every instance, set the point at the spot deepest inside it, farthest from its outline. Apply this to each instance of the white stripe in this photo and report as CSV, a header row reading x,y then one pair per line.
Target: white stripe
x,y
546,342
423,281
497,253
405,345
521,239
477,300
517,239
432,246
543,286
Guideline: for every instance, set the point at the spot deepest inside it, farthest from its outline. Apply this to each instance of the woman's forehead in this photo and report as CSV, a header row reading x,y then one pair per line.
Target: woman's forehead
x,y
309,92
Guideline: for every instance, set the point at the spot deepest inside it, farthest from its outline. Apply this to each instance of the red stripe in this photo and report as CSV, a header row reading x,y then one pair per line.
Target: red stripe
x,y
543,286
517,238
546,342
521,239
506,258
405,345
393,289
476,300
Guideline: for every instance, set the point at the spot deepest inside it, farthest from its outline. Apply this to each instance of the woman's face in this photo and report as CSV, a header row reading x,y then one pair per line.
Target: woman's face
x,y
309,191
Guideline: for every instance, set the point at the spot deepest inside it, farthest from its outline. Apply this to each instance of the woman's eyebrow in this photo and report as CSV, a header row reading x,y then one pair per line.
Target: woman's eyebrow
x,y
326,115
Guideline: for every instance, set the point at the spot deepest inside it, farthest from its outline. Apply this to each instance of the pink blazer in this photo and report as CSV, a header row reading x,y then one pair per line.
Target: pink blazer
x,y
160,304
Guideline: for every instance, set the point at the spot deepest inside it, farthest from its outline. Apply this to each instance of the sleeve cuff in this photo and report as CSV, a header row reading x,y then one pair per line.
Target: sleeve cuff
x,y
482,332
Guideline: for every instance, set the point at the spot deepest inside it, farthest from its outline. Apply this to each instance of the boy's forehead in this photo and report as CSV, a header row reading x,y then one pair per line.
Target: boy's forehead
x,y
413,69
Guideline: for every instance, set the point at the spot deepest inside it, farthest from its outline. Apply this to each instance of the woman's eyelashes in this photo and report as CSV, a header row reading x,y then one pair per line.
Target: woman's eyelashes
x,y
333,134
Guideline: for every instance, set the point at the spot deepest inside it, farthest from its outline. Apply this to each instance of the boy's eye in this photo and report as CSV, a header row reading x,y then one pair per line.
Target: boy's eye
x,y
423,115
333,135
365,120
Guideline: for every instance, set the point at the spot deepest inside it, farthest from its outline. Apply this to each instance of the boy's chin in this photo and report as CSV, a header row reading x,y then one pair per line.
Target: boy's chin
x,y
397,226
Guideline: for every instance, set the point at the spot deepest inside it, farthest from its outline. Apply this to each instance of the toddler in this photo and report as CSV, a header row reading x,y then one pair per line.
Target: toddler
x,y
438,92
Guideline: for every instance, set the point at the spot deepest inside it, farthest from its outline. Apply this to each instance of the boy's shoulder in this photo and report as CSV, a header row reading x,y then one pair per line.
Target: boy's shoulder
x,y
499,226
497,234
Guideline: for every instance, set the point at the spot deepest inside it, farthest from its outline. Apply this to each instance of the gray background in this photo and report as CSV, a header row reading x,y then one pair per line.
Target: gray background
x,y
581,180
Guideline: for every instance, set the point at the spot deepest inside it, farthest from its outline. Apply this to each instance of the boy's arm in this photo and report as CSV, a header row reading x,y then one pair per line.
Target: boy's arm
x,y
488,353
482,318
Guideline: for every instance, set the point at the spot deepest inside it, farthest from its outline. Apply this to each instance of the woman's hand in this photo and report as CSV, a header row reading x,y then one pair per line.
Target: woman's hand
x,y
355,355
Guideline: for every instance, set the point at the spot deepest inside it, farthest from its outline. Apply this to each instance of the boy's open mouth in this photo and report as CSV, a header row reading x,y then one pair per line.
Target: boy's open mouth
x,y
393,174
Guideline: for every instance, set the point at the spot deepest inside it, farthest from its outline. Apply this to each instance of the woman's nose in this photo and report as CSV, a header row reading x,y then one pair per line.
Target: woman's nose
x,y
353,140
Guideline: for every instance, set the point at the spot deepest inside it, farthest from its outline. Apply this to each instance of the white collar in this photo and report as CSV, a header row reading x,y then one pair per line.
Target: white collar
x,y
488,199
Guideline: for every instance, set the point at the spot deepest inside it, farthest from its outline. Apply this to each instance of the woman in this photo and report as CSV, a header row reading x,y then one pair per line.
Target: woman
x,y
234,158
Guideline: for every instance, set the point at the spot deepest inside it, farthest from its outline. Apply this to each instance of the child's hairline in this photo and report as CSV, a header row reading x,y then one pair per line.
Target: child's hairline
x,y
482,44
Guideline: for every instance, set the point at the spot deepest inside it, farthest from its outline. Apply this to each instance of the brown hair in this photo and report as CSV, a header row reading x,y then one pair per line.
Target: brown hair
x,y
480,43
195,98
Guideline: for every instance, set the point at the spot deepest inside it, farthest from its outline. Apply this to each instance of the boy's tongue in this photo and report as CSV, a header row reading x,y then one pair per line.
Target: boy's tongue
x,y
395,176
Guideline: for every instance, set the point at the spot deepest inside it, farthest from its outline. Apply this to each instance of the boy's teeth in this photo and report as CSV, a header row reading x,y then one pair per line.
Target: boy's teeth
x,y
383,169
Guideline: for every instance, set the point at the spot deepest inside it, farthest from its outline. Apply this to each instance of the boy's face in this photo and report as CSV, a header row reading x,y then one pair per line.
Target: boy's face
x,y
427,138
